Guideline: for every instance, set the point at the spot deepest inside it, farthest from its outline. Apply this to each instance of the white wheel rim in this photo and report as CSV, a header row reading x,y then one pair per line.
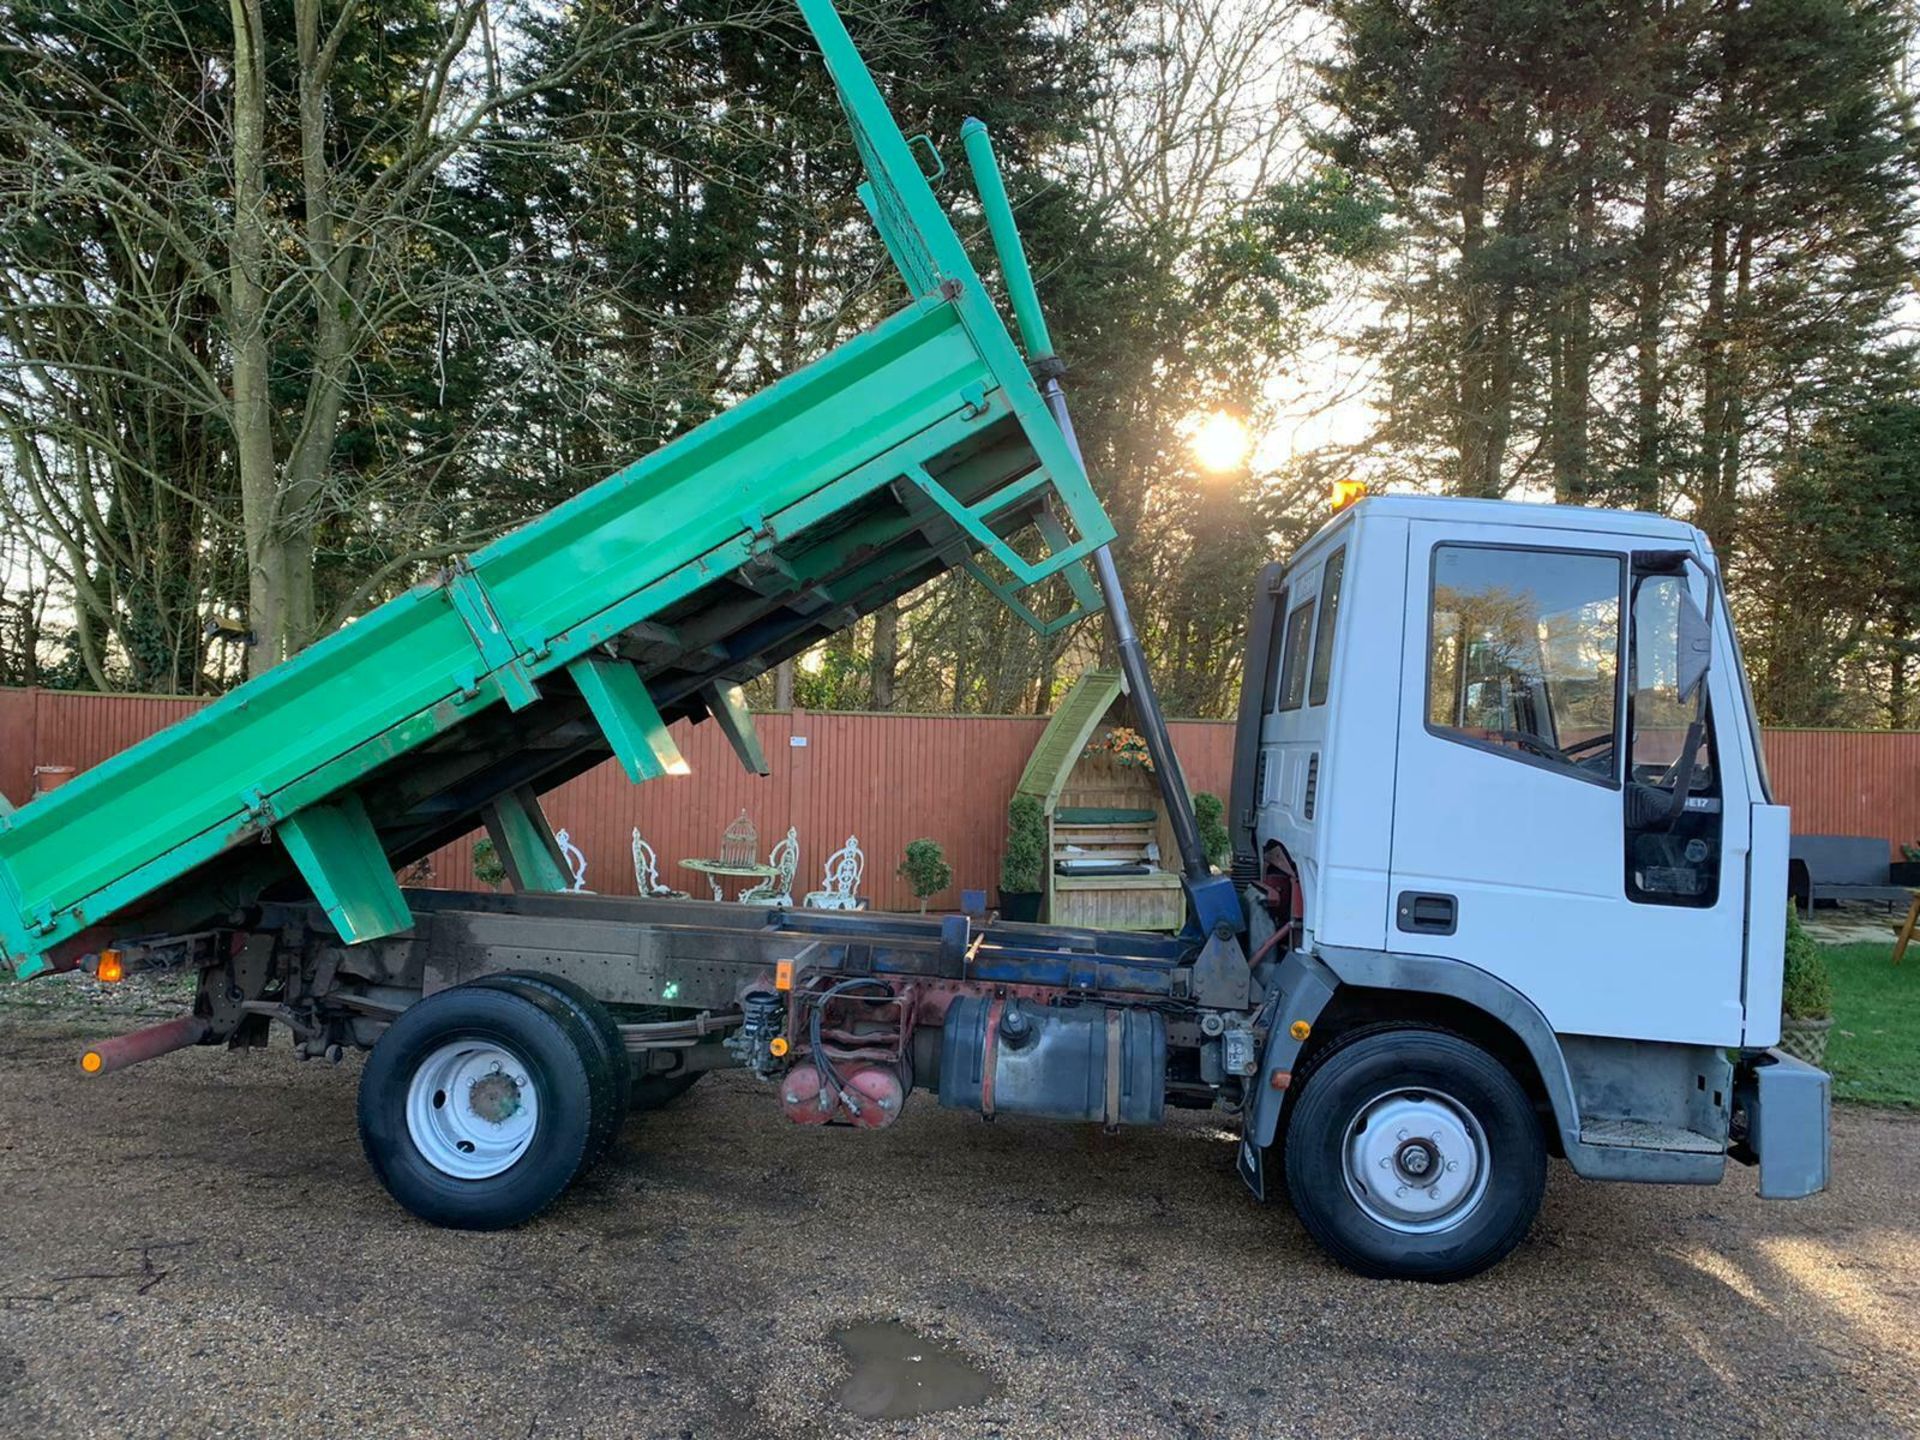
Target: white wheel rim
x,y
472,1109
1416,1161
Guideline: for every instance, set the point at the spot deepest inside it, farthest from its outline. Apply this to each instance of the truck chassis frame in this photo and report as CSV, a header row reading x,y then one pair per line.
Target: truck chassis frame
x,y
696,959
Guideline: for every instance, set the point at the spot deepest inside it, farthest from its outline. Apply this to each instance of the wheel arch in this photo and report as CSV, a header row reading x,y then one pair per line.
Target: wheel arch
x,y
1357,1006
1345,988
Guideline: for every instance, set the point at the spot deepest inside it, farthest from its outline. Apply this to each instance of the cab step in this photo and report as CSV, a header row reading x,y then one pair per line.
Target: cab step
x,y
1647,1135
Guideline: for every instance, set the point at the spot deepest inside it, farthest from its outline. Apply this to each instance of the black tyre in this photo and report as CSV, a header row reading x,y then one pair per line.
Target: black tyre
x,y
600,1042
1413,1154
652,1091
476,1108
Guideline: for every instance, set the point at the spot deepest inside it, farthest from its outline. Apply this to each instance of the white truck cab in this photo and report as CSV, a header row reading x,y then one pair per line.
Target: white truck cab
x,y
1499,763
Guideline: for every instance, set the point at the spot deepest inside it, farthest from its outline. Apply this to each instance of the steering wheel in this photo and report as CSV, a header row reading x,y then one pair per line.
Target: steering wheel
x,y
1539,744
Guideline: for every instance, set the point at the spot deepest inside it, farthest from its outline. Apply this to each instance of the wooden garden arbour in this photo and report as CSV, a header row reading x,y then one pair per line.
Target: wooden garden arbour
x,y
1104,808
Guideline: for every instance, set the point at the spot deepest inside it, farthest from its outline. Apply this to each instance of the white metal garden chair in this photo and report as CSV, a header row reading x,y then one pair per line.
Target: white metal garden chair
x,y
646,872
777,889
840,888
576,861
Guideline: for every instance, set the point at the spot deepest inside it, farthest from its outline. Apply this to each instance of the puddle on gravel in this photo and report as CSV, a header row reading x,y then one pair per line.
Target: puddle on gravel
x,y
899,1373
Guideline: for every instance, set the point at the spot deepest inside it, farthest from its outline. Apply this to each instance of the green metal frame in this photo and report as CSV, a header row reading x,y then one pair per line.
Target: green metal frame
x,y
649,597
524,840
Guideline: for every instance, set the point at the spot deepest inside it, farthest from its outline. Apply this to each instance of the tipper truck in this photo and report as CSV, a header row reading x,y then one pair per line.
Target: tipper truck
x,y
1508,881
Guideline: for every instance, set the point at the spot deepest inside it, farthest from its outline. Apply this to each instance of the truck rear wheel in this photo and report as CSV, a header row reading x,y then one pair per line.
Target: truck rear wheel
x,y
476,1108
1413,1154
598,1037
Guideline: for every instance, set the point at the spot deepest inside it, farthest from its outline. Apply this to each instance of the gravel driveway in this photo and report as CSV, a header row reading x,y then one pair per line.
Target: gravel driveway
x,y
195,1248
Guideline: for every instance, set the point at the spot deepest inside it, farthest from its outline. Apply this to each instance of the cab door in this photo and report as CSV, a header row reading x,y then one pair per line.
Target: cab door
x,y
1535,831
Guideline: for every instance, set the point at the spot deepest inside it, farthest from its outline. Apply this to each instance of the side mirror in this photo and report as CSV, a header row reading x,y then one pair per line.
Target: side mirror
x,y
1693,647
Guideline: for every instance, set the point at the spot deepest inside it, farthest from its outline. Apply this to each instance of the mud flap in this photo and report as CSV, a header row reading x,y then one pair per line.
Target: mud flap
x,y
1253,1166
1301,991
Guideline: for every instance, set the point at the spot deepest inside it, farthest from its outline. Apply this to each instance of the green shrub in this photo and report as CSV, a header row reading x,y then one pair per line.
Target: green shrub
x,y
926,870
1209,813
1025,863
487,868
1806,989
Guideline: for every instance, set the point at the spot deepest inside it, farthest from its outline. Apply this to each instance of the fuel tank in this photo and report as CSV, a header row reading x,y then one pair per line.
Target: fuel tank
x,y
1064,1062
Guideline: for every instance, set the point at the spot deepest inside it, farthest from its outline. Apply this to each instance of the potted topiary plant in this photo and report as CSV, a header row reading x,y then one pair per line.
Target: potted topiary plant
x,y
1023,870
926,870
1806,996
1209,815
488,868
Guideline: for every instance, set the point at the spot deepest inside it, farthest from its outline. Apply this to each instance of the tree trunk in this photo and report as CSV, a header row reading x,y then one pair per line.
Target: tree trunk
x,y
1897,689
961,588
783,686
1049,673
1574,361
1470,442
1503,366
885,665
1649,304
252,414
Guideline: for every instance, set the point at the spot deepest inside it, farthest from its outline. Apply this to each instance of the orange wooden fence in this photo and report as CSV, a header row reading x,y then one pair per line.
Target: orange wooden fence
x,y
886,778
889,779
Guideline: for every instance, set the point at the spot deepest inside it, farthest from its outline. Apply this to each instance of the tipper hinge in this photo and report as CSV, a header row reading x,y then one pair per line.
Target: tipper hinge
x,y
259,806
498,651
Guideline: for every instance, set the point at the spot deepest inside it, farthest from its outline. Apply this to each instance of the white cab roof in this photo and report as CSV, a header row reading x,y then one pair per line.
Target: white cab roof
x,y
1451,510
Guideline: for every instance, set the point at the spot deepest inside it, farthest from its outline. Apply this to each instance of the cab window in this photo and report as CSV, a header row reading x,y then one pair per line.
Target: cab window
x,y
1270,687
1673,841
1323,635
1293,669
1524,655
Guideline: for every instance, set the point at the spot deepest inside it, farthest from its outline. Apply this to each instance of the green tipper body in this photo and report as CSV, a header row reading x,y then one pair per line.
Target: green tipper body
x,y
907,451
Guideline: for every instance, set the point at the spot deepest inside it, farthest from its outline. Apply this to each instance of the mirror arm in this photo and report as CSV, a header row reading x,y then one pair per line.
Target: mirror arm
x,y
1697,727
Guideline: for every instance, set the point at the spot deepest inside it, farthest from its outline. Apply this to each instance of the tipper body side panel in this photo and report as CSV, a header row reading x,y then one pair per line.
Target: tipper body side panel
x,y
902,453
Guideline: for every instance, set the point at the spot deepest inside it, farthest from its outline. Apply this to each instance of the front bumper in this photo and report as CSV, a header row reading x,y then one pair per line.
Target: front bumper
x,y
1786,1106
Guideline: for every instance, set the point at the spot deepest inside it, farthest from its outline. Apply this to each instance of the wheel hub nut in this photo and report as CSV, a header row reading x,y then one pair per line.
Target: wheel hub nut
x,y
1417,1159
494,1097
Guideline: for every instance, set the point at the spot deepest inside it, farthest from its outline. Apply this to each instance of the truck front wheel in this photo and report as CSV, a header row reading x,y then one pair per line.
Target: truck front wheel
x,y
1413,1154
476,1108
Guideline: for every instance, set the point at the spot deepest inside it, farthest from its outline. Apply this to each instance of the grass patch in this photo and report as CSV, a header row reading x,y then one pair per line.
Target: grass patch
x,y
1874,1051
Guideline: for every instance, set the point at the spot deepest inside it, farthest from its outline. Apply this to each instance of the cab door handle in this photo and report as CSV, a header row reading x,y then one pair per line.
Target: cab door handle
x,y
1420,912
